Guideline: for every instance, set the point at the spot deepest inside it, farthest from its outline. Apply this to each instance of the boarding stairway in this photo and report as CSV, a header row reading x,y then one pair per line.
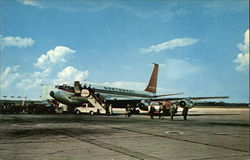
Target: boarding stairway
x,y
90,94
97,101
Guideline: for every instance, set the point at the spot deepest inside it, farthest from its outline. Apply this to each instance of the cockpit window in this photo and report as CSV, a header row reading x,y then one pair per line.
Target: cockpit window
x,y
64,86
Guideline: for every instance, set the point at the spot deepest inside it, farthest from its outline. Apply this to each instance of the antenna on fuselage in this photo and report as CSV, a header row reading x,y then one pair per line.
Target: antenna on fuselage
x,y
152,84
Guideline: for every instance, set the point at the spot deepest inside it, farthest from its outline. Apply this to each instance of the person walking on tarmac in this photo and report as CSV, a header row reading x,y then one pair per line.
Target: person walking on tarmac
x,y
172,111
161,111
110,109
164,113
152,111
185,112
127,110
106,109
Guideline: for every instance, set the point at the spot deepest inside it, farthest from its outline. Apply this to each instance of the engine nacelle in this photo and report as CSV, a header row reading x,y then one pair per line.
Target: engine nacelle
x,y
143,107
186,103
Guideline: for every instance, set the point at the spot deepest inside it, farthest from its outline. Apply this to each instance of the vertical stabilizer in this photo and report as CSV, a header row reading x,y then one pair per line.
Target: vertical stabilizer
x,y
152,84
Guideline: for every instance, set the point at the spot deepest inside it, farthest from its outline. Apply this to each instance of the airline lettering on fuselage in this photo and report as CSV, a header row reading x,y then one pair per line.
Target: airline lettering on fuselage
x,y
85,93
120,90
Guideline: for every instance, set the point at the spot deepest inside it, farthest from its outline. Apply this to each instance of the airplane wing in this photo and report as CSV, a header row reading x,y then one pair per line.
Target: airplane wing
x,y
164,99
190,98
121,103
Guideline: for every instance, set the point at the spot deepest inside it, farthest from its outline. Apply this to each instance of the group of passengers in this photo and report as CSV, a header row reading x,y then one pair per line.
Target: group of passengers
x,y
163,111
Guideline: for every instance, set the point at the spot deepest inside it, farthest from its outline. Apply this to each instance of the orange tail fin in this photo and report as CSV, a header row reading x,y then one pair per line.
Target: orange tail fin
x,y
152,84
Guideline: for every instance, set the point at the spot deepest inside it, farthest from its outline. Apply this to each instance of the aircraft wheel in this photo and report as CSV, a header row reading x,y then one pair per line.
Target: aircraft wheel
x,y
60,110
137,111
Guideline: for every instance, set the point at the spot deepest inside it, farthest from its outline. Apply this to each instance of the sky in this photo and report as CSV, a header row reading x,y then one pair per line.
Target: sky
x,y
202,46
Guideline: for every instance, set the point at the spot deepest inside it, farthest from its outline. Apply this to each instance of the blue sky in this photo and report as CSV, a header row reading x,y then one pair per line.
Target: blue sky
x,y
202,46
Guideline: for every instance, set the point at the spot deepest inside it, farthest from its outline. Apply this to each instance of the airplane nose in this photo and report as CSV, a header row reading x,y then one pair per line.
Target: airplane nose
x,y
51,94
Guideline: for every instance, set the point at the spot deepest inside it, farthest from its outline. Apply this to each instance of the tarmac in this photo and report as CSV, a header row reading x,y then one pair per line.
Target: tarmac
x,y
209,133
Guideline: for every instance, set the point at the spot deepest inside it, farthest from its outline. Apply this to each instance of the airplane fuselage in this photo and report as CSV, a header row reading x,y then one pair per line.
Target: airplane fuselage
x,y
78,94
65,94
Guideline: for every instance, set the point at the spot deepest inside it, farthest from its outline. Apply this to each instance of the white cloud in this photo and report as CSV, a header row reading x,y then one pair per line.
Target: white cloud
x,y
31,3
179,42
70,74
34,80
166,12
44,73
15,41
8,76
179,68
69,6
220,7
30,83
243,62
13,82
58,55
243,57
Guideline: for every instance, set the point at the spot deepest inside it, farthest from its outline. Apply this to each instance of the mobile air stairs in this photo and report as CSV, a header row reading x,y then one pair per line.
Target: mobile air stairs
x,y
93,98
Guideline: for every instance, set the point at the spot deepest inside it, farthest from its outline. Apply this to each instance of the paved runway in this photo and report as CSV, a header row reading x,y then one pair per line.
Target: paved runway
x,y
207,134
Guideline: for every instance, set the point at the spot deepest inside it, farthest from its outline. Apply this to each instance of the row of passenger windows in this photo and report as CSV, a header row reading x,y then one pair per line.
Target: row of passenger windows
x,y
121,90
107,88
